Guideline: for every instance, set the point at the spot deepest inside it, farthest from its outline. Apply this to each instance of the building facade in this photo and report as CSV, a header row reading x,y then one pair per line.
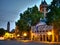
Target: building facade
x,y
42,31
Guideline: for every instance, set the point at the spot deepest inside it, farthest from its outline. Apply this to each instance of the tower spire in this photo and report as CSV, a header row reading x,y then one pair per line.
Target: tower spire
x,y
43,9
8,26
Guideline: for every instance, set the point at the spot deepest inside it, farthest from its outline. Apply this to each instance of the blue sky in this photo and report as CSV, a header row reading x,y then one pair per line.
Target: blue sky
x,y
10,10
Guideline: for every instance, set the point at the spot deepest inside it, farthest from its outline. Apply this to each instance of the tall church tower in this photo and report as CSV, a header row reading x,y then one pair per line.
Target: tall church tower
x,y
8,26
43,10
43,7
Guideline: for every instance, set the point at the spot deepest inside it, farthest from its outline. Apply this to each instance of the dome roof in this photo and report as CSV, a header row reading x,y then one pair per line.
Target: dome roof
x,y
42,22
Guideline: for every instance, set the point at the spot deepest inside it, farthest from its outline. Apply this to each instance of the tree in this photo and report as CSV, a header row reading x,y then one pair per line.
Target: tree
x,y
2,31
28,18
53,16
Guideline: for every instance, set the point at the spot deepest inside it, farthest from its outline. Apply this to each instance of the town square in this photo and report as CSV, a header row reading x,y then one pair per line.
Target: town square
x,y
29,22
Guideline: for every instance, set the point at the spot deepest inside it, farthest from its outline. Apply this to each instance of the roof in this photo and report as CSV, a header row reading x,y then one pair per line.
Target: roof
x,y
43,3
42,22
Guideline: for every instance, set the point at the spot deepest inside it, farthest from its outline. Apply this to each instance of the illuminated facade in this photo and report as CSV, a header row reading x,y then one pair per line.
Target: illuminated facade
x,y
42,33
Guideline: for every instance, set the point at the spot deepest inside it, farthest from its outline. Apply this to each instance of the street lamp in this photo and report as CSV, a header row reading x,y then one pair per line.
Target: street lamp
x,y
25,34
49,33
18,35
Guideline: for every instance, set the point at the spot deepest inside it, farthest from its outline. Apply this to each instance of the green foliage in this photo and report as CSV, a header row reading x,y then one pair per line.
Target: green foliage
x,y
2,31
28,18
53,16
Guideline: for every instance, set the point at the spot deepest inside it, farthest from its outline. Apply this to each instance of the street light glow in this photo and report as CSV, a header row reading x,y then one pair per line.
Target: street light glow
x,y
18,35
25,34
49,33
